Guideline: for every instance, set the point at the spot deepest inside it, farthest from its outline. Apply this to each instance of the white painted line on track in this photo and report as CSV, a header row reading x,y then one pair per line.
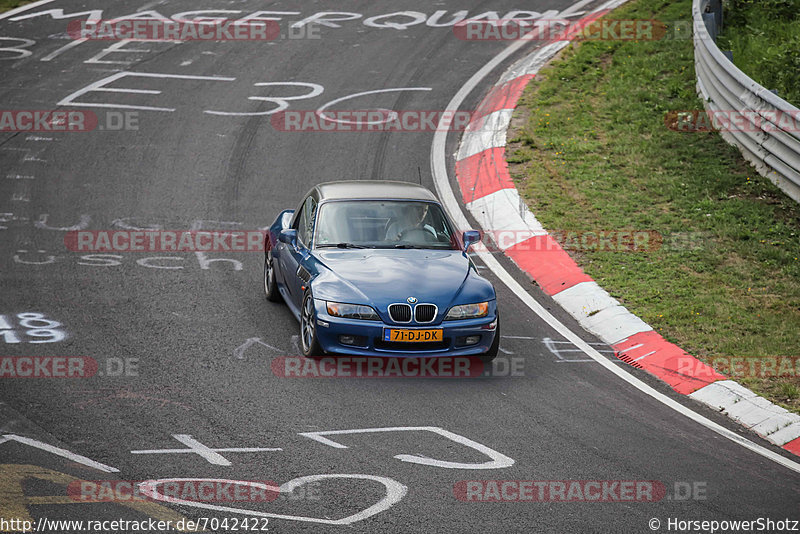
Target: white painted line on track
x,y
64,453
238,352
212,456
498,460
448,199
20,9
395,492
644,356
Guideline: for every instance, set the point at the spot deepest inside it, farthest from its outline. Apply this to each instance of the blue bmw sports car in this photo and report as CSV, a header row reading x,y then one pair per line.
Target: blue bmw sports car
x,y
375,268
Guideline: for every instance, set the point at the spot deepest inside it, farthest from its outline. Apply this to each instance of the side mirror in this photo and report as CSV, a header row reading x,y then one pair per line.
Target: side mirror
x,y
286,218
470,237
288,236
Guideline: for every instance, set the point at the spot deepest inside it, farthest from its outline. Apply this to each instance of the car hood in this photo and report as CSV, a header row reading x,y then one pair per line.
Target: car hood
x,y
381,277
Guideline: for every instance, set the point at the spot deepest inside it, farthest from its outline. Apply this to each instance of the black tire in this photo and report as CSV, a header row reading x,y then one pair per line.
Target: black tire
x,y
309,344
487,357
270,286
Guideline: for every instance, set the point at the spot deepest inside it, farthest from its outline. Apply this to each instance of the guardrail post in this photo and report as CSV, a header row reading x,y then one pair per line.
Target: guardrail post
x,y
715,6
711,25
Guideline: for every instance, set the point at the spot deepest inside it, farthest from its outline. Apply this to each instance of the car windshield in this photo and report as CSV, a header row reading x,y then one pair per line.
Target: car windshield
x,y
383,224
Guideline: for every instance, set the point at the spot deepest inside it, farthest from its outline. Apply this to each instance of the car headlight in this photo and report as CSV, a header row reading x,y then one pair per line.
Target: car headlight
x,y
468,311
352,311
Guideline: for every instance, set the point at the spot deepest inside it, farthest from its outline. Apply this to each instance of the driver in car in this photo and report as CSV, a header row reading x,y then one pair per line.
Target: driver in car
x,y
412,219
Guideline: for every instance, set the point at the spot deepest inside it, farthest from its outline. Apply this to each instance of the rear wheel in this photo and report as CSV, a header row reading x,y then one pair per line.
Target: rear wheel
x,y
308,329
270,287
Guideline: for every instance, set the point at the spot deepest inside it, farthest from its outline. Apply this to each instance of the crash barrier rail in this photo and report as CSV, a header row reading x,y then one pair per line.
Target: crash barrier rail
x,y
771,140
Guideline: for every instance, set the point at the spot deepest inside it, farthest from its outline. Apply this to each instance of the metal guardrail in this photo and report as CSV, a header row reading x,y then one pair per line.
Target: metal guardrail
x,y
771,142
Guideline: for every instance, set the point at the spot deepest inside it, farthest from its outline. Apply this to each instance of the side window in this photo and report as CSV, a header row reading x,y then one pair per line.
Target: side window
x,y
305,226
298,221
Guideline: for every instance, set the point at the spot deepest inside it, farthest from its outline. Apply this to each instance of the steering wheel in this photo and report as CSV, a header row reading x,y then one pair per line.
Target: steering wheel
x,y
426,235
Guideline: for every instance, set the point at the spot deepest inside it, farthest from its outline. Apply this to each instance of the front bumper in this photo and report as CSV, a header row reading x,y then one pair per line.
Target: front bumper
x,y
369,336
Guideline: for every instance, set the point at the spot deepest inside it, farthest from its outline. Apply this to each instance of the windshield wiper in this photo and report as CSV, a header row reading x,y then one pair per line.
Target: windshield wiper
x,y
340,245
428,246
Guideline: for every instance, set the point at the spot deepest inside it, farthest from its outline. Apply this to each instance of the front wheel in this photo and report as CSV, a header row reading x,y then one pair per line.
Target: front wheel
x,y
308,329
491,354
270,286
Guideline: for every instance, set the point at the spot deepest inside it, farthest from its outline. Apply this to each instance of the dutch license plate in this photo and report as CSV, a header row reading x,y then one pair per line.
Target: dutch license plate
x,y
412,336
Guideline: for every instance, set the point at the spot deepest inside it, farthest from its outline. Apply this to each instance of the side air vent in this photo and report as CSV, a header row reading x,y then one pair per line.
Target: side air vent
x,y
303,274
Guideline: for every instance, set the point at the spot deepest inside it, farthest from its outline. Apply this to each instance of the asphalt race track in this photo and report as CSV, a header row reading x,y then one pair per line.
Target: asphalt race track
x,y
184,343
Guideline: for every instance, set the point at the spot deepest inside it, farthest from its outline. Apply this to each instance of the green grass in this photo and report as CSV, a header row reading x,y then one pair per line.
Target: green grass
x,y
764,36
790,391
6,5
592,152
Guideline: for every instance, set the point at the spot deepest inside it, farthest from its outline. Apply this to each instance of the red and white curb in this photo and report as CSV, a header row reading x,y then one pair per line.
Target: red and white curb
x,y
491,197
